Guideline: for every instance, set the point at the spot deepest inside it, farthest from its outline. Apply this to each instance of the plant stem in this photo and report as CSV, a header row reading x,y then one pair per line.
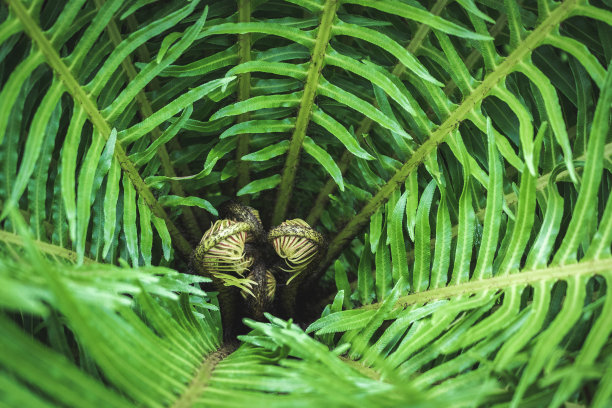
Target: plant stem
x,y
521,278
303,116
366,123
54,250
524,50
189,221
202,376
78,93
244,93
510,199
182,169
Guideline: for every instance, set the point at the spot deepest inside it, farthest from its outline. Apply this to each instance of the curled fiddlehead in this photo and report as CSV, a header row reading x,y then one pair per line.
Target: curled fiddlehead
x,y
221,253
235,253
298,248
298,245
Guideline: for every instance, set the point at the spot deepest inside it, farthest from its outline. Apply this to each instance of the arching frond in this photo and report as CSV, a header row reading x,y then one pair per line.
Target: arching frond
x,y
474,310
455,155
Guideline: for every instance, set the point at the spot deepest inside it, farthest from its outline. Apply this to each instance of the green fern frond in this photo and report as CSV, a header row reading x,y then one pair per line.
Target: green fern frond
x,y
455,153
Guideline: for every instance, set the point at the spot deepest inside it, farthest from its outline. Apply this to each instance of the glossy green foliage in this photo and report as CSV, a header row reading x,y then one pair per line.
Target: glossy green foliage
x,y
456,154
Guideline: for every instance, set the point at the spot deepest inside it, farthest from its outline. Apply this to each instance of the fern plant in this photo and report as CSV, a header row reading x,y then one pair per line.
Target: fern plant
x,y
456,155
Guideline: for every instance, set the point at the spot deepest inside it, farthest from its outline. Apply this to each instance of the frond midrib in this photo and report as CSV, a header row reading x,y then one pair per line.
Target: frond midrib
x,y
304,112
45,247
519,278
146,109
244,93
524,49
366,123
510,199
202,376
81,97
189,220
